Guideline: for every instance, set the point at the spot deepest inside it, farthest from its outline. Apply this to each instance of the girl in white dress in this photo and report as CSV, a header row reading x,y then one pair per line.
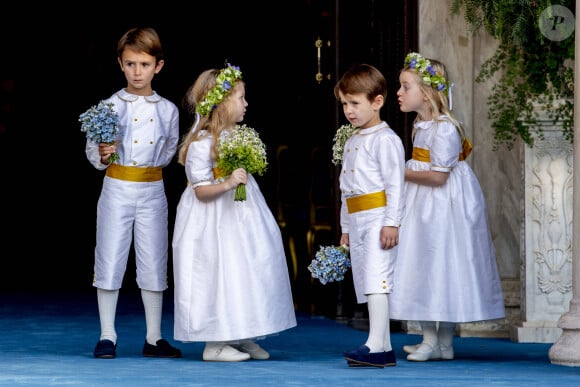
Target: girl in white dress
x,y
231,277
446,271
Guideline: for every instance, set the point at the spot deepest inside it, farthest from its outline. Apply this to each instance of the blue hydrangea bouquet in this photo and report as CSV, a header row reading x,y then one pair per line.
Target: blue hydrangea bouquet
x,y
101,124
330,263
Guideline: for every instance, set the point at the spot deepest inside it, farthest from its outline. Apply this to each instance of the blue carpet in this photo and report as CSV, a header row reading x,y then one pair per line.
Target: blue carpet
x,y
48,341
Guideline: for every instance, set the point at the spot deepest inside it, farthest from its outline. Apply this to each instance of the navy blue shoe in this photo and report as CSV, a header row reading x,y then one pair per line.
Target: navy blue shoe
x,y
362,357
105,349
162,349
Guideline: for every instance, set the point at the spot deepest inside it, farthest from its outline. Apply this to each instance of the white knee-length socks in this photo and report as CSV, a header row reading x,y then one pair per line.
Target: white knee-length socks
x,y
107,301
379,339
153,303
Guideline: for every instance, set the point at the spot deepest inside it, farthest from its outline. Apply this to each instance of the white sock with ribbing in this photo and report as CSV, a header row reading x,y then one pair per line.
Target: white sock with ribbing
x,y
107,302
153,304
379,329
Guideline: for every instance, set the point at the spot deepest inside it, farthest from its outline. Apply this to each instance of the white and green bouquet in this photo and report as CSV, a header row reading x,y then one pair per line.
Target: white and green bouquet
x,y
101,124
242,148
342,134
330,263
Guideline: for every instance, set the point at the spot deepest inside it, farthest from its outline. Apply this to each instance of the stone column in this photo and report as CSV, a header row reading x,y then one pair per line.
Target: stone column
x,y
566,350
547,236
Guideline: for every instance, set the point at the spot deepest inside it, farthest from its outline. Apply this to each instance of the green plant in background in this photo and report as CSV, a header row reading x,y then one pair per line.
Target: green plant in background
x,y
535,73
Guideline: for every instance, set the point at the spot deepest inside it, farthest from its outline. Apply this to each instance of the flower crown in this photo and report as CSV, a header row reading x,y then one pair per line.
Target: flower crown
x,y
425,69
225,82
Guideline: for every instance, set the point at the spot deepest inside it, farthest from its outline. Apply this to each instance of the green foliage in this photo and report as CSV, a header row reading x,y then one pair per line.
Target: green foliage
x,y
534,72
342,134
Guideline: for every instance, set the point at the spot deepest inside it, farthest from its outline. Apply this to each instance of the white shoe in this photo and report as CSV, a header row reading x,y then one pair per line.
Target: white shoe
x,y
253,349
411,348
447,353
425,352
223,352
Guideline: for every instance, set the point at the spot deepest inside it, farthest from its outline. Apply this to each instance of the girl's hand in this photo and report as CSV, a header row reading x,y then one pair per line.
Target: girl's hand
x,y
238,176
211,191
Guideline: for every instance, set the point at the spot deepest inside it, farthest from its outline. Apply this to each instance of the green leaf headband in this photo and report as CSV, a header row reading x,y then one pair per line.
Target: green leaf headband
x,y
425,69
225,82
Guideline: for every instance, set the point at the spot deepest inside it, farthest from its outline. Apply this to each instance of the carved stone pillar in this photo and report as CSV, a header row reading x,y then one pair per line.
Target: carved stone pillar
x,y
547,237
566,350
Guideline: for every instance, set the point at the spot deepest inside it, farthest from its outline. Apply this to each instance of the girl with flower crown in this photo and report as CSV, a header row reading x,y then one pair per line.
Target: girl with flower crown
x,y
446,271
230,272
371,186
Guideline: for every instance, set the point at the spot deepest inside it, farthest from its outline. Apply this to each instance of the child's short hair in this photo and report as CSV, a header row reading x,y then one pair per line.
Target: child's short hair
x,y
141,39
362,78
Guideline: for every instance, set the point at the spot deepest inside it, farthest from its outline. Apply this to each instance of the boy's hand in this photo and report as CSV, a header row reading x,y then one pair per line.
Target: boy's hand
x,y
389,237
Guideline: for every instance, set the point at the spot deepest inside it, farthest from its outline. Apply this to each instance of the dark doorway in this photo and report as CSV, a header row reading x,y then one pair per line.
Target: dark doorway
x,y
336,35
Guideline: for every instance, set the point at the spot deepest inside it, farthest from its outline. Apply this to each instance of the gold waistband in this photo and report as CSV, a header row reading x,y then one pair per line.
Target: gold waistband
x,y
366,201
421,154
424,155
217,173
138,174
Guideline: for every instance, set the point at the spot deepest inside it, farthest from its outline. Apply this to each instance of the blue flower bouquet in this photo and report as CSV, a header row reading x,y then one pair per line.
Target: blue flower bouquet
x,y
101,124
330,263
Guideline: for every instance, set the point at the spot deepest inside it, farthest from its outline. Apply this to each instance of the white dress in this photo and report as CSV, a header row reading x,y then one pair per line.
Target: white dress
x,y
230,270
446,267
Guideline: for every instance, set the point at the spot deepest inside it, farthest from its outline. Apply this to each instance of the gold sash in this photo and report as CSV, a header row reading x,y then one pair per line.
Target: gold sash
x,y
217,173
421,154
138,174
366,201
